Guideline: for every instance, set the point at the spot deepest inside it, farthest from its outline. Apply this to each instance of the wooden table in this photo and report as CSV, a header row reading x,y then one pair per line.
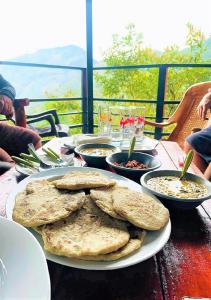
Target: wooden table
x,y
181,268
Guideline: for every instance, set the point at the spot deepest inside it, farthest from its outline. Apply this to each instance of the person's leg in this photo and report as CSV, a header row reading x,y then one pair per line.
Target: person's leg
x,y
207,172
200,142
15,139
197,159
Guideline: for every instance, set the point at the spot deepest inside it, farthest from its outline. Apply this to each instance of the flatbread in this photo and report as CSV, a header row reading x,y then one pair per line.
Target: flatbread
x,y
140,209
37,185
88,231
129,248
41,203
83,180
137,239
103,199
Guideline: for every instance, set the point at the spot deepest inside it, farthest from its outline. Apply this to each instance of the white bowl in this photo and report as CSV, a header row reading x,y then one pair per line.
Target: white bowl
x,y
23,268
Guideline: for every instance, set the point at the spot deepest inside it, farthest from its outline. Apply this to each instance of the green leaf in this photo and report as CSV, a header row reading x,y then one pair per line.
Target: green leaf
x,y
132,145
187,163
23,162
32,151
50,154
53,152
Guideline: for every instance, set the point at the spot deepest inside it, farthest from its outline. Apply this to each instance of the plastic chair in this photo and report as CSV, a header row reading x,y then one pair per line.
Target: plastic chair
x,y
55,128
186,117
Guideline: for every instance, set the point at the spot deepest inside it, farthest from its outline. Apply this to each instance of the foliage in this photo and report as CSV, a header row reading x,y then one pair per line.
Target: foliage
x,y
134,83
142,83
64,107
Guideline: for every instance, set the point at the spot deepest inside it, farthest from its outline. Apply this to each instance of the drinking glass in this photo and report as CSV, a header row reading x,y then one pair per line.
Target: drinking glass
x,y
125,122
116,131
137,116
104,120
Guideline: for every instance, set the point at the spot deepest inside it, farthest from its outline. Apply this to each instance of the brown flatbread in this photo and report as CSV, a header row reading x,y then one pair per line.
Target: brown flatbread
x,y
103,198
129,248
140,209
83,180
42,203
88,231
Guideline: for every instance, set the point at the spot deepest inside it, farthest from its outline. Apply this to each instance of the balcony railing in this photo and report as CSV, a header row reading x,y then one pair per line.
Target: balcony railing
x,y
87,124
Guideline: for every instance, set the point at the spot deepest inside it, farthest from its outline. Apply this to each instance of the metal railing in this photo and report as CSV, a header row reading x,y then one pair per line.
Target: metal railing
x,y
161,91
82,98
86,109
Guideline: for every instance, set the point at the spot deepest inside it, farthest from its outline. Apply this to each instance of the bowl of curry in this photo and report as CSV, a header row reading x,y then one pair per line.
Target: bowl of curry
x,y
138,164
187,193
95,154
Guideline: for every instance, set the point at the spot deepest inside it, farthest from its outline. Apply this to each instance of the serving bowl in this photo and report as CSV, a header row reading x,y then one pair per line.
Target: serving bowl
x,y
94,160
23,267
150,161
173,201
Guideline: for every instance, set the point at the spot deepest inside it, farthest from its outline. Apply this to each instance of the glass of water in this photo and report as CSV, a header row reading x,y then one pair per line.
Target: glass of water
x,y
104,120
116,131
137,114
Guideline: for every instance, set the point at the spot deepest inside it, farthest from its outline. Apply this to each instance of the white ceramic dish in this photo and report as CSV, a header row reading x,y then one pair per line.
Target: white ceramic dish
x,y
154,241
23,268
147,145
79,139
29,171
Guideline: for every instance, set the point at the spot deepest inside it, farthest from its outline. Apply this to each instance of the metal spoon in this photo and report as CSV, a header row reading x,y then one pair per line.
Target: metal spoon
x,y
188,160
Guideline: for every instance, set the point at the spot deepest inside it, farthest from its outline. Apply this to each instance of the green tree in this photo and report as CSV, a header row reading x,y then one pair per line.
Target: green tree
x,y
63,107
142,84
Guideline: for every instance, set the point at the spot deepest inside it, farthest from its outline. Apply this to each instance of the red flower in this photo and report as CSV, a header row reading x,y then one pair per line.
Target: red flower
x,y
140,120
123,122
131,120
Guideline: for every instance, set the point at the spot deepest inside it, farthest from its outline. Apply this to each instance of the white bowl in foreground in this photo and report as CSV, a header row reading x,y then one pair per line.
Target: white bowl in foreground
x,y
23,268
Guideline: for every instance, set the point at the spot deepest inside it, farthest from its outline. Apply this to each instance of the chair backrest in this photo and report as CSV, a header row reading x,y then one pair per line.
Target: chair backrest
x,y
186,116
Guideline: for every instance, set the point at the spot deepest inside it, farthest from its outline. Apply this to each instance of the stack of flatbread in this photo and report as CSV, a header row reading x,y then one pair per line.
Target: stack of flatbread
x,y
86,215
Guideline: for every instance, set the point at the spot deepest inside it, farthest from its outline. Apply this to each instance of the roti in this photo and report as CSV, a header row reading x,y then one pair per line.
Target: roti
x,y
83,180
103,199
41,203
140,209
88,231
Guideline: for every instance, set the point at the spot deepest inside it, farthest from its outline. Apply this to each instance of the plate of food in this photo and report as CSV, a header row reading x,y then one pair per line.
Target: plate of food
x,y
42,159
90,218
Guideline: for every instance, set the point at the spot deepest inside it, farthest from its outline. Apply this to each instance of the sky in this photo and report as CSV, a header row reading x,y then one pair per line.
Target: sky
x,y
29,25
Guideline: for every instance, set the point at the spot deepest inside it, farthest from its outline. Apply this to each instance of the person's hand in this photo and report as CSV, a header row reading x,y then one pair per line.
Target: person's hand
x,y
204,105
6,106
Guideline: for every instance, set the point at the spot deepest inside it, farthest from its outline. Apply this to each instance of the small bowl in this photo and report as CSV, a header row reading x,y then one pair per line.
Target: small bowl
x,y
175,202
97,161
134,174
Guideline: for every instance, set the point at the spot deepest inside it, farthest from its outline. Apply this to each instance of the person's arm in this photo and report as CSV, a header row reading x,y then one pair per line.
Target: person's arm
x,y
7,96
204,105
6,88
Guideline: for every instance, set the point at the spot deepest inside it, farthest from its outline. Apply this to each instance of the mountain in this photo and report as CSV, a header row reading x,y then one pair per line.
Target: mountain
x,y
33,82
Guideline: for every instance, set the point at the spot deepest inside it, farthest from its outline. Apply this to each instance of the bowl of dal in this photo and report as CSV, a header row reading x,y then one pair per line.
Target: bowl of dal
x,y
95,154
187,193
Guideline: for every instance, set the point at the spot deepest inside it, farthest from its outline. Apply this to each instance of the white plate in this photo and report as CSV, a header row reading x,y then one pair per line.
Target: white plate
x,y
29,171
153,243
23,267
146,145
78,139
